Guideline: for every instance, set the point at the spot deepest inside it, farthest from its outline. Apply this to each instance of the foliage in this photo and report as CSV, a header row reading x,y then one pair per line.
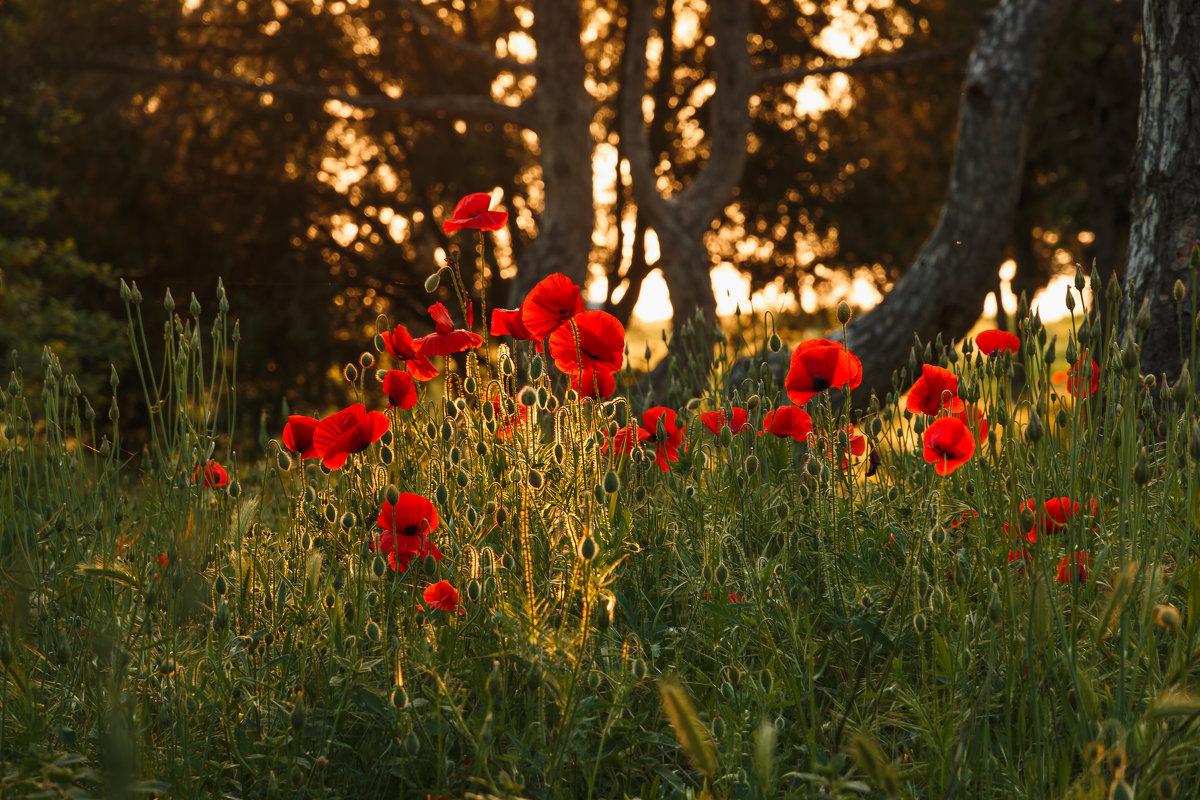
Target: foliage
x,y
41,286
835,624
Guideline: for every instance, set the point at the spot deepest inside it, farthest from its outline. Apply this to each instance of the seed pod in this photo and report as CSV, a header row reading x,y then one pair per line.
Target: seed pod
x,y
587,548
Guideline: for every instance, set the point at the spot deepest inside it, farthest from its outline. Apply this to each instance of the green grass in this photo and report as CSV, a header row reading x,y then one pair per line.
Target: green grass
x,y
875,645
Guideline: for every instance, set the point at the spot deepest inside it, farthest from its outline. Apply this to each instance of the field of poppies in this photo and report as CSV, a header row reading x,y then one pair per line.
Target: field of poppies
x,y
508,569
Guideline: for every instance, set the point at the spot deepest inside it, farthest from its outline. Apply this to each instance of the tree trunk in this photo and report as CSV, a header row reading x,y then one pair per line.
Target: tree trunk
x,y
681,220
944,290
562,110
1166,191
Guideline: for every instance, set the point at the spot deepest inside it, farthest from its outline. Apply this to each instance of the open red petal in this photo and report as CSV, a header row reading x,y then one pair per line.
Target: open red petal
x,y
550,303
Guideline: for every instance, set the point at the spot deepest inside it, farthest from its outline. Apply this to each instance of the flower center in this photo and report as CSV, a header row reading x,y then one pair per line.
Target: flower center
x,y
411,530
820,384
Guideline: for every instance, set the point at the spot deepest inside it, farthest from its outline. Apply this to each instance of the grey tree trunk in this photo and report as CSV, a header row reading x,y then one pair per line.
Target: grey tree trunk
x,y
562,116
681,220
1166,191
944,290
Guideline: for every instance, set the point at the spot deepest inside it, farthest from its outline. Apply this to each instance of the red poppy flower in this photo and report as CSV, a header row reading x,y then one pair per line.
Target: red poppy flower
x,y
592,340
507,424
629,437
820,364
553,301
443,596
972,416
929,394
965,520
1073,569
666,444
786,421
472,212
350,430
445,339
994,342
507,322
398,385
211,475
401,346
735,420
407,526
1078,382
948,444
858,442
590,382
298,436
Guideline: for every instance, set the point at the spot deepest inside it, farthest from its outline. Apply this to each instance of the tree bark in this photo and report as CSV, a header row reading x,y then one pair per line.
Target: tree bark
x,y
1166,191
681,220
562,118
944,290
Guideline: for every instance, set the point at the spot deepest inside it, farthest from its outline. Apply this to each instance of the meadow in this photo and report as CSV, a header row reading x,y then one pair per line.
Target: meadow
x,y
476,580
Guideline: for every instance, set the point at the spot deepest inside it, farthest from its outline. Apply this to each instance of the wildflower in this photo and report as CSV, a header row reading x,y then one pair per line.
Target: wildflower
x,y
472,213
508,423
446,339
1078,374
1073,568
590,382
442,595
554,300
407,525
400,344
1055,515
948,444
821,364
972,416
507,322
212,475
786,421
736,420
398,385
629,437
994,342
593,340
929,394
666,445
350,430
298,436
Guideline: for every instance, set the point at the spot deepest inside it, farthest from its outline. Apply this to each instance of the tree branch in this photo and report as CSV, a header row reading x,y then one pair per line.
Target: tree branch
x,y
475,107
440,33
859,65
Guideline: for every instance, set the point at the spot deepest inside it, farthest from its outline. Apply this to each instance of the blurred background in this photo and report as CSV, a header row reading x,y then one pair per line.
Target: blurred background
x,y
306,152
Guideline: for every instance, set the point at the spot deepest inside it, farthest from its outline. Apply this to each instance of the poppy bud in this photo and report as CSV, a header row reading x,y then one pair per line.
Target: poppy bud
x,y
506,366
1120,790
725,437
1049,355
587,548
1167,616
169,302
306,540
348,611
431,283
299,714
843,312
330,513
994,576
638,669
1034,430
1182,387
412,745
1141,470
766,680
751,463
1069,301
1166,788
559,452
399,698
527,396
221,617
919,623
474,590
995,609
721,573
612,481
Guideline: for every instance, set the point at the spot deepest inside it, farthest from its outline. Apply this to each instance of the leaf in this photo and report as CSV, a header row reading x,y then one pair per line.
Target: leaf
x,y
695,739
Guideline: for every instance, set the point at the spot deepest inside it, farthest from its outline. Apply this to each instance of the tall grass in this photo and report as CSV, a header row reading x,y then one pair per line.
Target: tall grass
x,y
763,619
